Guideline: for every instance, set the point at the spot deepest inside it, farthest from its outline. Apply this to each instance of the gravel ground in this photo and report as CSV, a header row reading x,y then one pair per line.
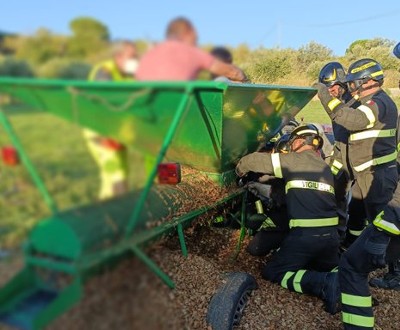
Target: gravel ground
x,y
131,297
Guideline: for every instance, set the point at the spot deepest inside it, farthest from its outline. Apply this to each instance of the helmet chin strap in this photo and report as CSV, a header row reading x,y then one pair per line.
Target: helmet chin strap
x,y
361,89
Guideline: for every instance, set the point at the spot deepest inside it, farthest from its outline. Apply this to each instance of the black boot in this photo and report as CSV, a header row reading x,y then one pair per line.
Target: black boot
x,y
331,293
325,286
391,280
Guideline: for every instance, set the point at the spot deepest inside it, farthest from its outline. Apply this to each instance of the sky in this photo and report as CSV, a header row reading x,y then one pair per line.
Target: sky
x,y
285,24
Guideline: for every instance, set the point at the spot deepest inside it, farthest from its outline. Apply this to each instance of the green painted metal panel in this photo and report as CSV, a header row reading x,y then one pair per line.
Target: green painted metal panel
x,y
221,123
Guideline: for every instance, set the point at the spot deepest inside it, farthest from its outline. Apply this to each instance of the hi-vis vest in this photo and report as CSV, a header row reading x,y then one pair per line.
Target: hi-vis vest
x,y
116,75
111,68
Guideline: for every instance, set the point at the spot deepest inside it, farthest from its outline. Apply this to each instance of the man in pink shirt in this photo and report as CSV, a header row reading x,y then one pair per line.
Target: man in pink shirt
x,y
178,58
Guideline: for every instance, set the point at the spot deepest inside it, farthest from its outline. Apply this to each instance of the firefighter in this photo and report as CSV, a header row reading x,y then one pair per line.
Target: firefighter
x,y
111,156
310,250
365,255
391,280
372,148
270,220
333,76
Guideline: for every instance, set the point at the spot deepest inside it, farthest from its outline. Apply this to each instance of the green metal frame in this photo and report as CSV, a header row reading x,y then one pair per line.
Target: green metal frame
x,y
166,143
220,109
27,163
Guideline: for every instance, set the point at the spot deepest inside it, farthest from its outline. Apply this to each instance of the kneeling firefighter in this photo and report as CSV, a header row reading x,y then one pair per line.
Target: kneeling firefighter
x,y
267,213
309,252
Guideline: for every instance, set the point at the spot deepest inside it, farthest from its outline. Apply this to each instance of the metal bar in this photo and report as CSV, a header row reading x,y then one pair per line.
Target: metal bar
x,y
164,277
182,240
27,163
242,226
51,264
166,143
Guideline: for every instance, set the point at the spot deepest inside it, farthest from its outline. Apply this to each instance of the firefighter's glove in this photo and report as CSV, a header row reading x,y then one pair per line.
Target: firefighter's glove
x,y
331,104
260,190
253,162
375,245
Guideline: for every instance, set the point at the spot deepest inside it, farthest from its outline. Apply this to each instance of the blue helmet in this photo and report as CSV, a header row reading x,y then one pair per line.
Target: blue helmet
x,y
396,50
282,145
309,133
362,71
332,74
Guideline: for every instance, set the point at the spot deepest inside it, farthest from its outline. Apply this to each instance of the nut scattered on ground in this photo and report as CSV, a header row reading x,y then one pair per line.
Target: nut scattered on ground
x,y
130,297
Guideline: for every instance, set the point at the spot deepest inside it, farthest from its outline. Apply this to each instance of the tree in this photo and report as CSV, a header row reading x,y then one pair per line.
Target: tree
x,y
89,35
312,52
378,49
38,48
14,68
267,66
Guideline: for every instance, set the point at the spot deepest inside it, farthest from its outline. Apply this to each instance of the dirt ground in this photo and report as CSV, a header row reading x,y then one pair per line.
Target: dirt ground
x,y
131,297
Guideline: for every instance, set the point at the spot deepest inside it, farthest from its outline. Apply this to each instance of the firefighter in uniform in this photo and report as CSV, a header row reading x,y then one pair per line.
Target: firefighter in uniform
x,y
333,76
310,250
268,212
372,157
366,254
391,280
111,156
372,148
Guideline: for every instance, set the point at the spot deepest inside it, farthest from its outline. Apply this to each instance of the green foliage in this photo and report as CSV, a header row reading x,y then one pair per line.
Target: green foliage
x,y
367,44
89,36
38,48
378,49
15,68
63,68
241,53
68,57
311,53
89,27
267,66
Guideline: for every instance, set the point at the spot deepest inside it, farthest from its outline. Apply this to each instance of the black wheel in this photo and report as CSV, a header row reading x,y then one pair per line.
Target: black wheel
x,y
228,303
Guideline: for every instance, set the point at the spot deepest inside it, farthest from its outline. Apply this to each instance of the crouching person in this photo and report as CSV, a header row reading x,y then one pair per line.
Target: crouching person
x,y
267,217
309,252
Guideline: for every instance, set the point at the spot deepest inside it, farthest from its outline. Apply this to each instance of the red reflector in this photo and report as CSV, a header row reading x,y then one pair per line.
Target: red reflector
x,y
10,156
169,173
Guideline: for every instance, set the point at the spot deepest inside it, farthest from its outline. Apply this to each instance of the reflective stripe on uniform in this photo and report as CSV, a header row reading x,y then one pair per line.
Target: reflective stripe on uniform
x,y
358,320
332,104
267,223
297,280
303,184
322,222
276,164
373,134
336,166
355,232
376,161
356,301
386,225
369,113
286,278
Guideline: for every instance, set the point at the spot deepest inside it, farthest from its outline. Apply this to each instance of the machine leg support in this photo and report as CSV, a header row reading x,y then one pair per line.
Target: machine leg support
x,y
151,264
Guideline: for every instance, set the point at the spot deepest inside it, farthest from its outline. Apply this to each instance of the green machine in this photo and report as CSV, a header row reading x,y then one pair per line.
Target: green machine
x,y
204,126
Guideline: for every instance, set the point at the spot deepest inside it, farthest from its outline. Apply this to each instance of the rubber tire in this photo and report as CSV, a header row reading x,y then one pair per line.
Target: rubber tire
x,y
228,303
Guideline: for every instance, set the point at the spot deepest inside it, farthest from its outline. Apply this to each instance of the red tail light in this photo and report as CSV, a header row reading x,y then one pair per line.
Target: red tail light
x,y
10,156
169,173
